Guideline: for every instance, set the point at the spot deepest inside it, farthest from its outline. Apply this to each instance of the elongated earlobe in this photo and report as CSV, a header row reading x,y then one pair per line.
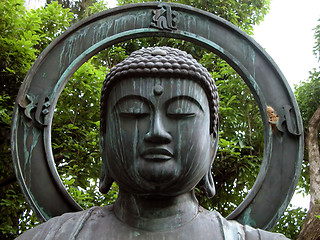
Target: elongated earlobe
x,y
207,185
105,180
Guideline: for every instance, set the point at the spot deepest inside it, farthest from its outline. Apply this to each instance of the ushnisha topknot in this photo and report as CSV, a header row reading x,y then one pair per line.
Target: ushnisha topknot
x,y
161,62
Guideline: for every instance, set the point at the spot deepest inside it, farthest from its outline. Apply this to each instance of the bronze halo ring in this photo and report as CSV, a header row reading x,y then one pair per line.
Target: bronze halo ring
x,y
39,93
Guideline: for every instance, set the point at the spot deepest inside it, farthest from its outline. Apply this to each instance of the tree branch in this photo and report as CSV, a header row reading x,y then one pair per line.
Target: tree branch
x,y
314,156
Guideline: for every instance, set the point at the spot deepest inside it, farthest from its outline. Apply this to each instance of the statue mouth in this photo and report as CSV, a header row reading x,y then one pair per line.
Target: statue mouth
x,y
157,154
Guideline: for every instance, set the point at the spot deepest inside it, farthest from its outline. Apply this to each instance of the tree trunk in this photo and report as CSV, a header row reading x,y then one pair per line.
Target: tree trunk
x,y
311,226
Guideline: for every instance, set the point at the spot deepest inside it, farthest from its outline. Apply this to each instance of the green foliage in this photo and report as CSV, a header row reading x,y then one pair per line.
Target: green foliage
x,y
15,220
24,34
18,35
291,222
316,49
97,7
54,21
308,95
76,128
5,113
80,9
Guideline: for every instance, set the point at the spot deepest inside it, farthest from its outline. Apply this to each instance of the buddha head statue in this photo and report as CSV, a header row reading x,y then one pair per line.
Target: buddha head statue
x,y
159,124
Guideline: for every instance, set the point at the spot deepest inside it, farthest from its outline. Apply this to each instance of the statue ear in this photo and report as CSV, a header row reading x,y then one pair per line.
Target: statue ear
x,y
207,184
105,178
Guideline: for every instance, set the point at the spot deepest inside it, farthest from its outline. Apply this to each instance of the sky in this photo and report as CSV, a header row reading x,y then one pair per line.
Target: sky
x,y
287,35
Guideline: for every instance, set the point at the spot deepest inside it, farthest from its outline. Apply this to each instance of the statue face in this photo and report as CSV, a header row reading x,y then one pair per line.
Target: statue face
x,y
157,139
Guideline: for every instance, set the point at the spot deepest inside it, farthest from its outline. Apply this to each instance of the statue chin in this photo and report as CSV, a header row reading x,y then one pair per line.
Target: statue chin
x,y
158,181
159,173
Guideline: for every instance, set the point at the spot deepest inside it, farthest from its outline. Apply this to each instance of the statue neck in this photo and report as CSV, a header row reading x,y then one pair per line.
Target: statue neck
x,y
156,213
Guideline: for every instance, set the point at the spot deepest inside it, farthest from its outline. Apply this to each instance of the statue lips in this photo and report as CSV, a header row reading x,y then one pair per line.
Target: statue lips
x,y
157,154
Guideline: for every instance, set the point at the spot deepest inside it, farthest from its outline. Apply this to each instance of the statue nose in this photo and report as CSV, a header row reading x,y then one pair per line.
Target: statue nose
x,y
157,132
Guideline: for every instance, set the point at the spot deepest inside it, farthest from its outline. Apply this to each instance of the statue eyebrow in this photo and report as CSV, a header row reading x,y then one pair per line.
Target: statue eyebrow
x,y
132,97
184,97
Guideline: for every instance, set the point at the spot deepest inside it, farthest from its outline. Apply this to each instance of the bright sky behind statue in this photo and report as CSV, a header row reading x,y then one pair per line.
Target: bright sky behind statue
x,y
287,35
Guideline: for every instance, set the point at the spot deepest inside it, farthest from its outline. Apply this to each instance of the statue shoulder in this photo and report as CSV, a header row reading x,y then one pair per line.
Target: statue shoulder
x,y
91,224
65,226
232,230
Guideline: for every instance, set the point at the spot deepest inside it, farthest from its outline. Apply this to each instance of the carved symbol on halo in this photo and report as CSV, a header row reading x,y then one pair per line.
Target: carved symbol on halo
x,y
286,118
164,17
37,109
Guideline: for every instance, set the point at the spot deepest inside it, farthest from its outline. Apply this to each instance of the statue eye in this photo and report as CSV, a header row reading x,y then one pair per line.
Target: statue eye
x,y
183,108
132,108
